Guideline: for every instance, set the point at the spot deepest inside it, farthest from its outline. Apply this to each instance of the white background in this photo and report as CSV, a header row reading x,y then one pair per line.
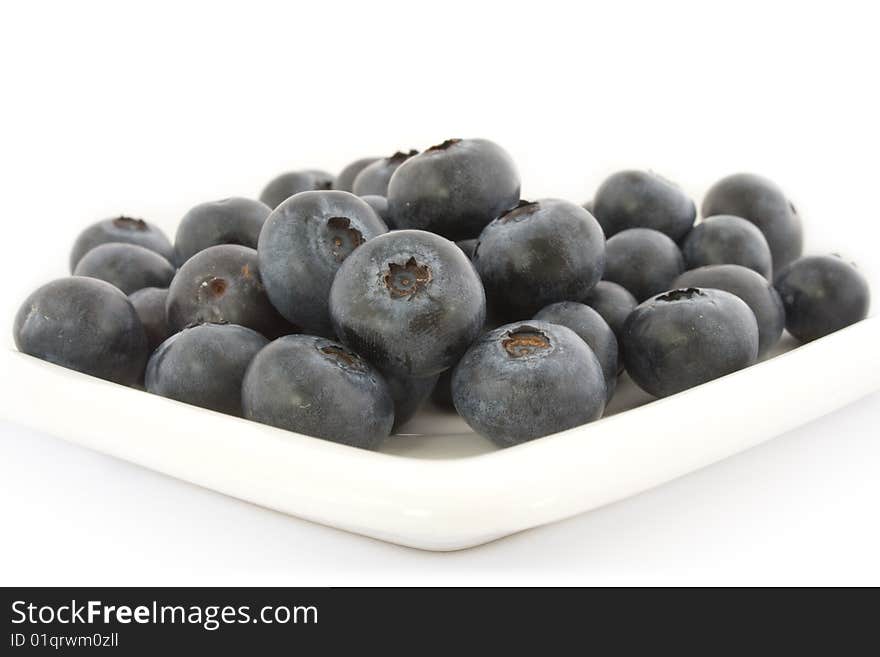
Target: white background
x,y
107,108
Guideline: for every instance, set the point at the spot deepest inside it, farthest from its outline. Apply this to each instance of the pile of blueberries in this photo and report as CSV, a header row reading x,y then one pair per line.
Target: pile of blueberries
x,y
335,307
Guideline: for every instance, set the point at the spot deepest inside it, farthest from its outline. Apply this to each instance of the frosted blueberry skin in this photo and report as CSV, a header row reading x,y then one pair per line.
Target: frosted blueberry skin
x,y
408,301
749,286
204,365
83,324
682,338
380,207
287,184
642,260
538,253
614,302
345,180
121,229
373,179
408,395
526,380
592,329
320,388
228,221
764,204
454,189
222,285
149,304
727,240
821,295
302,245
127,266
642,199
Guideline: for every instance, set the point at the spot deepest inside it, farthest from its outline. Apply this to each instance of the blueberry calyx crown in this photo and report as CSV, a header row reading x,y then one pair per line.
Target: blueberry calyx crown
x,y
521,210
130,223
442,147
215,286
401,156
406,280
525,341
681,294
344,238
343,358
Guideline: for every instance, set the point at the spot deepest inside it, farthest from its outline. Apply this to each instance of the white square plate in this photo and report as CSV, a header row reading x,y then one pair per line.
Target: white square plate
x,y
437,485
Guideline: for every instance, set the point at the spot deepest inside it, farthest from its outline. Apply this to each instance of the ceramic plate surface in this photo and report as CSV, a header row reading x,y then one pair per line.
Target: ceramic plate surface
x,y
437,485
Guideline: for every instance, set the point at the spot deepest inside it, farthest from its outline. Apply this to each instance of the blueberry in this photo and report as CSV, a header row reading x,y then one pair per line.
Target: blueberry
x,y
526,380
642,260
303,243
468,246
121,229
379,205
589,326
614,302
685,337
229,221
409,301
538,253
287,184
642,199
725,239
127,266
749,286
454,189
345,180
320,388
149,304
764,204
373,179
84,324
442,393
821,294
222,285
204,365
408,395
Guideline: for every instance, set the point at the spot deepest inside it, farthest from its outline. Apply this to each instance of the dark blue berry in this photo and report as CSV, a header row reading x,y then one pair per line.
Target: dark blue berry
x,y
526,380
642,260
538,253
408,395
222,284
765,205
614,302
749,286
84,324
380,207
287,184
320,388
409,301
204,365
228,221
821,294
454,189
149,303
303,244
592,329
642,199
373,179
682,338
121,229
127,266
345,180
725,239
